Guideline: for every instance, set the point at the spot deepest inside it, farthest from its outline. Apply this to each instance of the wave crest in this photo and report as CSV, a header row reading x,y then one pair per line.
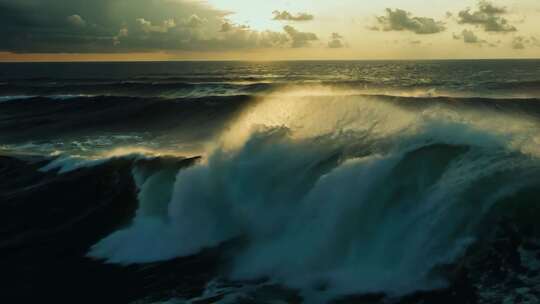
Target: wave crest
x,y
336,196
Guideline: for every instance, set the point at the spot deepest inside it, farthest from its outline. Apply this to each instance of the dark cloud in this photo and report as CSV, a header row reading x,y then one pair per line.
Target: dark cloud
x,y
286,16
299,39
400,20
336,41
104,26
487,16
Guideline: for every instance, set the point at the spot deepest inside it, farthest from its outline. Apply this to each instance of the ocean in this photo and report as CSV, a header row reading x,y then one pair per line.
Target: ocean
x,y
270,182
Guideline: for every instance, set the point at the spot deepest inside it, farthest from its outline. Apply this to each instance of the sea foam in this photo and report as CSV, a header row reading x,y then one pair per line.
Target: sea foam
x,y
335,195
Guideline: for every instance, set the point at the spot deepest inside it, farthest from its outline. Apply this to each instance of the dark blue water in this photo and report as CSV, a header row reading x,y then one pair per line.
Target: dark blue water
x,y
257,182
495,79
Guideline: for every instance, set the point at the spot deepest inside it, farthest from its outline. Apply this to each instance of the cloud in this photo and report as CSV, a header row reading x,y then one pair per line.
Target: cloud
x,y
535,41
76,20
195,21
226,27
400,20
272,39
470,37
335,44
336,41
123,32
518,43
147,26
522,42
101,26
488,16
336,36
299,39
243,36
286,16
121,26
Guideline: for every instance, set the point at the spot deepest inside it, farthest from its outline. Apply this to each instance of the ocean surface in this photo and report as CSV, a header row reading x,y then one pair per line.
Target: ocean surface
x,y
270,182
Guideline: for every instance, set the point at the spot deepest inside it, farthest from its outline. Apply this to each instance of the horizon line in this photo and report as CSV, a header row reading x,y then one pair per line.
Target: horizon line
x,y
264,60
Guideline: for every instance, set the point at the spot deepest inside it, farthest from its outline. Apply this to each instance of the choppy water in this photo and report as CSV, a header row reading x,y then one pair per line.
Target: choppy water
x,y
328,179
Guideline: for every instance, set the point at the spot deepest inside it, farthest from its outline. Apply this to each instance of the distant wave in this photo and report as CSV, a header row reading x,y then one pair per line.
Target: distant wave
x,y
178,87
199,117
147,79
15,97
59,116
62,164
135,89
201,93
514,85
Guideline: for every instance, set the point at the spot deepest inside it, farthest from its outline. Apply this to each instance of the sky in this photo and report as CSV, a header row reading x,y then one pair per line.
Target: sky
x,y
101,30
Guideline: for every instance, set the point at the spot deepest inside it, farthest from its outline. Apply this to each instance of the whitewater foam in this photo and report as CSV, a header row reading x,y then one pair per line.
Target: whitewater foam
x,y
335,195
14,98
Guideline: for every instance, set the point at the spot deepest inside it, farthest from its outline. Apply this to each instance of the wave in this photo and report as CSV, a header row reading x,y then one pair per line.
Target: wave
x,y
297,90
52,118
15,97
63,163
156,78
134,88
52,97
514,85
338,197
201,91
180,87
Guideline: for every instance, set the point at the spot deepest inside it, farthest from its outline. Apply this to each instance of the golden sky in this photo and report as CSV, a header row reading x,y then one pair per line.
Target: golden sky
x,y
79,30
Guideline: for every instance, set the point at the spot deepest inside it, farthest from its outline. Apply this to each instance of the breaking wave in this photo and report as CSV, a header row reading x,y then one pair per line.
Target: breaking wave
x,y
337,194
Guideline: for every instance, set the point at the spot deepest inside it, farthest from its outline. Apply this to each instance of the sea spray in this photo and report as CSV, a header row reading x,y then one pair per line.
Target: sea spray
x,y
372,200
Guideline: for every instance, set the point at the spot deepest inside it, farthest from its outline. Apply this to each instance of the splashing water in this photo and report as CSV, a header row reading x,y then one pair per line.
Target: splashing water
x,y
336,194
